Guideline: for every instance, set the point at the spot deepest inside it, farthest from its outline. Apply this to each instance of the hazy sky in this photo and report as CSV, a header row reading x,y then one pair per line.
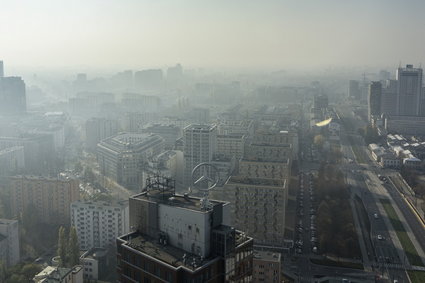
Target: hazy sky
x,y
211,33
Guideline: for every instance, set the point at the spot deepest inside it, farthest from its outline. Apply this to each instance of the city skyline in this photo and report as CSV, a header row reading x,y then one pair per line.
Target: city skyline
x,y
280,34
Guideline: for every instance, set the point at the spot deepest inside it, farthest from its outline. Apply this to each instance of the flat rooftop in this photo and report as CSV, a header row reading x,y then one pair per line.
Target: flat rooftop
x,y
189,202
172,255
167,254
267,256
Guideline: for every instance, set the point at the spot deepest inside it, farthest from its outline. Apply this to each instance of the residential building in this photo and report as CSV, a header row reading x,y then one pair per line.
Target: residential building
x,y
9,242
266,267
200,145
122,156
258,207
180,238
51,274
99,223
49,198
231,145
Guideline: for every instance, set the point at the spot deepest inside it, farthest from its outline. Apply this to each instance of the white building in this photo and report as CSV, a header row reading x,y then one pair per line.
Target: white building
x,y
9,241
98,224
199,146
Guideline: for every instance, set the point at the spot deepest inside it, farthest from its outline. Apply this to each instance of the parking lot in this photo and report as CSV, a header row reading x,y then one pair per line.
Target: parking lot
x,y
306,239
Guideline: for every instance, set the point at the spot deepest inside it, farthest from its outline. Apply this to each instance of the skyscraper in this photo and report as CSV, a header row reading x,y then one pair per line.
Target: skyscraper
x,y
12,94
409,91
199,146
374,99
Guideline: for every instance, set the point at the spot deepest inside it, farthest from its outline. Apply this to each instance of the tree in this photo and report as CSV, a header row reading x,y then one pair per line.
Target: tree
x,y
62,247
319,140
73,248
89,175
78,167
30,270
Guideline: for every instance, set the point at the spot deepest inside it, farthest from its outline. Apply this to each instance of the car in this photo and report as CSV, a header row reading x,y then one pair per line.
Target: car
x,y
380,237
376,216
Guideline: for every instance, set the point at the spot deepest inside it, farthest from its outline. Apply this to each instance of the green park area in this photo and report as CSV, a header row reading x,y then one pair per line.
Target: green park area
x,y
416,276
402,235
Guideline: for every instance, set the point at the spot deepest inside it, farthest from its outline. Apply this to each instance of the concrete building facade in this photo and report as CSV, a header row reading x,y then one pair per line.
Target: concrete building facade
x,y
9,242
98,224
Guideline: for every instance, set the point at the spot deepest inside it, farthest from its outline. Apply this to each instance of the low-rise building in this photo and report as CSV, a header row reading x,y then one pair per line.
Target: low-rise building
x,y
52,274
94,263
266,267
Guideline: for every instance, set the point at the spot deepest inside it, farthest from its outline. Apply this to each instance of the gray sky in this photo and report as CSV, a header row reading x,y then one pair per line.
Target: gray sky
x,y
212,33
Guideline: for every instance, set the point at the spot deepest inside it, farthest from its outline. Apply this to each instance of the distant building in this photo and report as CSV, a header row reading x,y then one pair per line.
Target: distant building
x,y
9,242
98,129
354,91
49,198
99,223
266,267
12,160
169,133
175,74
199,146
374,100
180,238
148,79
12,95
231,145
52,274
122,156
409,91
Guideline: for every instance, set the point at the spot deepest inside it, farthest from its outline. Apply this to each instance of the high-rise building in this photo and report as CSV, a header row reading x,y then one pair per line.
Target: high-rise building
x,y
122,156
389,98
49,198
9,242
12,94
354,90
200,145
374,100
409,91
99,223
180,238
